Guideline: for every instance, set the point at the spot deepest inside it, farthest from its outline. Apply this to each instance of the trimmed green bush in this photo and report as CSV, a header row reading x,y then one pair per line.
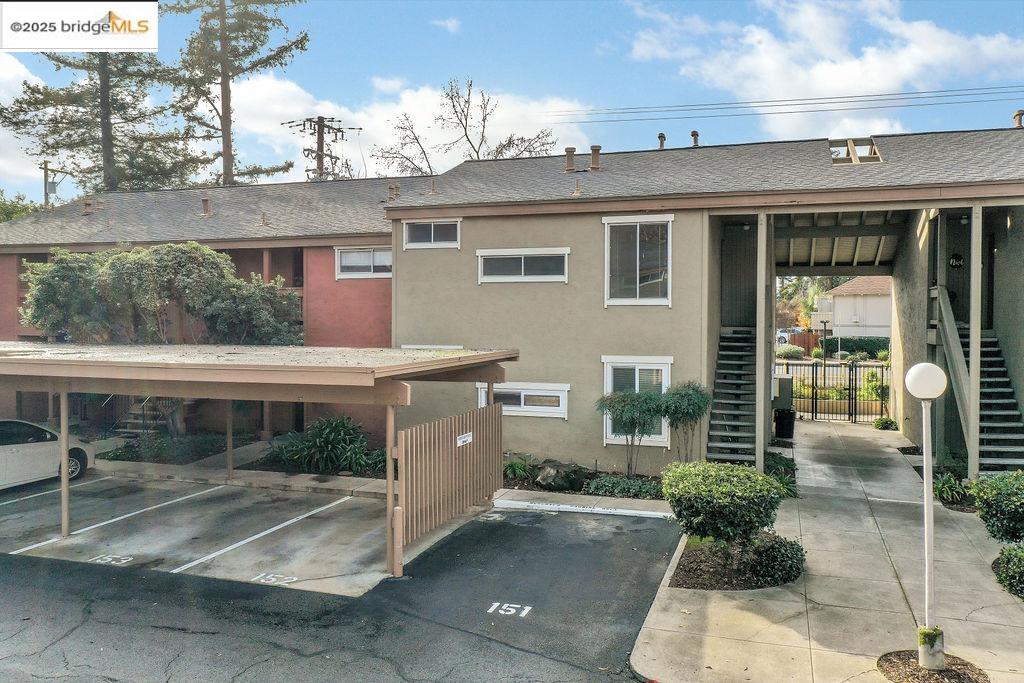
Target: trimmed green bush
x,y
1000,503
518,468
841,355
870,345
623,487
859,357
1010,569
816,352
684,405
882,355
789,351
886,424
948,488
726,502
328,446
175,450
775,560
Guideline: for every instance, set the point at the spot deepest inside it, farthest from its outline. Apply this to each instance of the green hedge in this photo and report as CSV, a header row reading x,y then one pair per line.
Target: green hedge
x,y
1000,503
1010,569
618,486
870,345
776,560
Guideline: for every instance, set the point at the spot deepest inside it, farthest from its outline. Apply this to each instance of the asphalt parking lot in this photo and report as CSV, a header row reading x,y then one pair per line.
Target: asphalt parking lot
x,y
507,596
332,544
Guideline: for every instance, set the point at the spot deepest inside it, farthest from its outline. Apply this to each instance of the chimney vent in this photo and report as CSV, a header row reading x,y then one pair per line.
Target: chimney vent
x,y
398,190
87,207
696,138
206,206
391,192
1018,118
570,159
661,141
433,186
595,157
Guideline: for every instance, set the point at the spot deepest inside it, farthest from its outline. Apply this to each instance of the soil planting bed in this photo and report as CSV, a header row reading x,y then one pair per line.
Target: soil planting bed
x,y
902,667
704,566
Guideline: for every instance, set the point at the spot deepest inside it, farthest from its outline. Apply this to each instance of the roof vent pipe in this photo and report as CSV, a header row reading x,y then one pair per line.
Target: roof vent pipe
x,y
86,207
206,206
570,159
696,138
661,141
1018,117
595,157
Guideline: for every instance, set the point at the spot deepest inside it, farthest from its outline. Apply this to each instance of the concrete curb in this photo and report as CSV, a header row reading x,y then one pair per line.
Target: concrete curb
x,y
664,584
504,504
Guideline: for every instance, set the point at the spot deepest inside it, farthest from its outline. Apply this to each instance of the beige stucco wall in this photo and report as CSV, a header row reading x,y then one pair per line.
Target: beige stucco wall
x,y
560,329
873,314
910,320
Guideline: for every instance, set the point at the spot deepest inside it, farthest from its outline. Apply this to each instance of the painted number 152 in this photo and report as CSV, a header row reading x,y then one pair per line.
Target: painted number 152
x,y
509,609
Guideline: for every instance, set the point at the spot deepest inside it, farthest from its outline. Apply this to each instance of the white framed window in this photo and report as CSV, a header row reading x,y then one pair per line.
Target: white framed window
x,y
636,373
529,399
638,260
534,264
443,233
362,263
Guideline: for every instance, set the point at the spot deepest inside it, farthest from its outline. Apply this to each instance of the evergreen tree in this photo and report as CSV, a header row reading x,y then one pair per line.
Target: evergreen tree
x,y
18,205
232,41
102,125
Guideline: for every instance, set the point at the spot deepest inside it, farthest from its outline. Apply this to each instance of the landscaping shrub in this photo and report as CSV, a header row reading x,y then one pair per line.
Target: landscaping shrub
x,y
841,355
518,468
684,405
1000,503
789,351
775,560
623,487
174,450
882,355
633,415
886,424
777,463
1009,569
726,502
952,462
817,353
948,488
328,446
870,345
873,389
788,484
859,357
376,461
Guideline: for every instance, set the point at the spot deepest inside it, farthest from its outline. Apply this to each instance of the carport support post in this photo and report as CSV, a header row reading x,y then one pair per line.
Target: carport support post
x,y
761,367
229,437
974,366
389,469
490,393
65,471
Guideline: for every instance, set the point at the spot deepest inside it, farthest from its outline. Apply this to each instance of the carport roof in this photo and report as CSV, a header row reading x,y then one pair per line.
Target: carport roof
x,y
294,373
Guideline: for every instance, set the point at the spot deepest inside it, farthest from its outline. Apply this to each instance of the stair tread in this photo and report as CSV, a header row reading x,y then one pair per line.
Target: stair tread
x,y
1002,449
723,432
746,457
1003,437
998,461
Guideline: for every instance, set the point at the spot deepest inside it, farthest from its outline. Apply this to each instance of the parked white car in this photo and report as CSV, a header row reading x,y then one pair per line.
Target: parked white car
x,y
30,452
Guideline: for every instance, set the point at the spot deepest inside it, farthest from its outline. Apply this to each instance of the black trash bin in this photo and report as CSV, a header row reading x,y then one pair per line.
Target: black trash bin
x,y
785,423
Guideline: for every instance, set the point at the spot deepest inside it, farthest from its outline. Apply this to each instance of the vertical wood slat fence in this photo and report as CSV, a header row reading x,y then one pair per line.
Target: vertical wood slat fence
x,y
444,468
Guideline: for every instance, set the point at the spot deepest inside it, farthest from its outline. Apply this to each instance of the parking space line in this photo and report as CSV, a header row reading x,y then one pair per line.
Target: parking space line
x,y
258,536
115,519
57,490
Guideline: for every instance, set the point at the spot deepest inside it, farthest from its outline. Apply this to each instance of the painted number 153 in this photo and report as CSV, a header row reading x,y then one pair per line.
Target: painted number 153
x,y
508,609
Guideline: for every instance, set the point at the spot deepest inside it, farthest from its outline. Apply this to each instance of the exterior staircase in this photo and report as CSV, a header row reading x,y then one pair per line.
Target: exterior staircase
x,y
731,429
1001,428
141,419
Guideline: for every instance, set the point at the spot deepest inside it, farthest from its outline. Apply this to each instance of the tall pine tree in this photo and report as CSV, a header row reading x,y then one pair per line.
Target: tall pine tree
x,y
232,41
103,125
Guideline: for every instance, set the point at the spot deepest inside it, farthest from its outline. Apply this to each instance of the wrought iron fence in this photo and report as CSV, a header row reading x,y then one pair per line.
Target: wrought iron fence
x,y
839,390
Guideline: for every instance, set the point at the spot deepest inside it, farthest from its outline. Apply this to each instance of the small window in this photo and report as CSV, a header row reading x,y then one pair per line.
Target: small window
x,y
13,433
528,399
362,263
638,261
539,264
432,235
636,374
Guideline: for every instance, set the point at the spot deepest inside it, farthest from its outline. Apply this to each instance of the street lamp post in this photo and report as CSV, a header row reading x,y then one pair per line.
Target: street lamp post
x,y
927,382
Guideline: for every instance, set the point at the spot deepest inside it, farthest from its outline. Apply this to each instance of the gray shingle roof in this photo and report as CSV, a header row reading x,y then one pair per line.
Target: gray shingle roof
x,y
292,210
908,159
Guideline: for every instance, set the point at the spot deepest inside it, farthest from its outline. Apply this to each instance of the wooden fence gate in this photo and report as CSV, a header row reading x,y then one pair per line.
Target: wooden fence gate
x,y
441,469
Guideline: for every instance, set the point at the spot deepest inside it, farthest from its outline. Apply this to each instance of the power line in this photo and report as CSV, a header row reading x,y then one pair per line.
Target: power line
x,y
794,111
835,99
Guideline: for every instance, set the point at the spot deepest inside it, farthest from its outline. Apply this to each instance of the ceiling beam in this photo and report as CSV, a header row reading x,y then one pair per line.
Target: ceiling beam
x,y
878,253
841,231
883,269
835,249
811,260
856,251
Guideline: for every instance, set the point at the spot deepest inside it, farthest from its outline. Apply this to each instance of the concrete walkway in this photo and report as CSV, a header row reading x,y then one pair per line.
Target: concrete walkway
x,y
859,519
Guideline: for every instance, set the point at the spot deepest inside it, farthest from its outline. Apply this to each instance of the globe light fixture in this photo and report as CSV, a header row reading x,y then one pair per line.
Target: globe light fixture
x,y
927,382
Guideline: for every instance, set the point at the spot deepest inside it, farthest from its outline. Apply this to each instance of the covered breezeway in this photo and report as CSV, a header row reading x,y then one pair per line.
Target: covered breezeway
x,y
434,473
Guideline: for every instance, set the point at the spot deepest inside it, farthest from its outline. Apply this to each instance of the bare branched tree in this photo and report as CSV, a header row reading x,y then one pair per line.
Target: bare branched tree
x,y
464,118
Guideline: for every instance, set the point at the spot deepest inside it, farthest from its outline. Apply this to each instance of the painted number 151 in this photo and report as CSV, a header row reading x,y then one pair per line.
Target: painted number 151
x,y
508,609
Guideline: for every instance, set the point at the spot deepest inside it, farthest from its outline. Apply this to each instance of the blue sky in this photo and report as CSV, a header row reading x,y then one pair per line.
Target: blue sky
x,y
369,61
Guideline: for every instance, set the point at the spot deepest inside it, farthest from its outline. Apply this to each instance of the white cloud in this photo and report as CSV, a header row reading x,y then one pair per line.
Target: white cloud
x,y
451,24
15,165
261,103
812,54
387,85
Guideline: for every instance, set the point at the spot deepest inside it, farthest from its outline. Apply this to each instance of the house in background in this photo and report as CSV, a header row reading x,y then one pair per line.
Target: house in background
x,y
328,240
861,307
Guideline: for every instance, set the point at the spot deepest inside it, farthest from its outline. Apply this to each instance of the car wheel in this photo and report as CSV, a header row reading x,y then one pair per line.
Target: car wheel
x,y
77,463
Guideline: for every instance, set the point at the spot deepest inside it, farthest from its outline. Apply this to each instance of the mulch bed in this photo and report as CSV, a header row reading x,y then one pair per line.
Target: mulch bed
x,y
704,566
960,507
909,450
902,667
270,464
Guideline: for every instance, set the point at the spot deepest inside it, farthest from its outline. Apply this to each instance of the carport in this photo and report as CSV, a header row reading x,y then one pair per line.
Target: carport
x,y
433,473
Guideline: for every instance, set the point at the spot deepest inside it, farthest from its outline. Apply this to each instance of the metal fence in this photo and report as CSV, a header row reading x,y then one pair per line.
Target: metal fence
x,y
447,466
837,390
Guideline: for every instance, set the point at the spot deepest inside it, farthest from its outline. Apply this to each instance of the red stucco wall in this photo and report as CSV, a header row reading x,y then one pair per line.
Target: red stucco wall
x,y
352,312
